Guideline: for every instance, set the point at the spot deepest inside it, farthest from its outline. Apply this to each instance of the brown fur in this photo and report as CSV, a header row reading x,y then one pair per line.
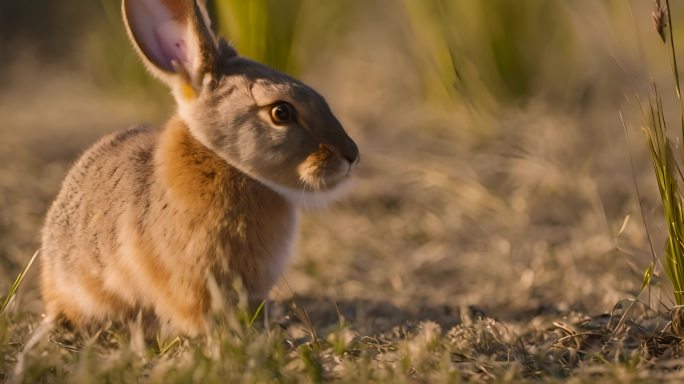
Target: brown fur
x,y
145,220
191,213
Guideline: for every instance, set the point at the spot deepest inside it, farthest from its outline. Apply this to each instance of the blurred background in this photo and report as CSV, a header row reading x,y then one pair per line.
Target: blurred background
x,y
495,168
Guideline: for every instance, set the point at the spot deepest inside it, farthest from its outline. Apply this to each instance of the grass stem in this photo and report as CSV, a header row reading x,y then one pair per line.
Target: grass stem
x,y
17,283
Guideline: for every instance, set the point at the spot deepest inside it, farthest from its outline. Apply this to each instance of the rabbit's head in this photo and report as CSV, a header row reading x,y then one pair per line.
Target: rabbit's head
x,y
263,122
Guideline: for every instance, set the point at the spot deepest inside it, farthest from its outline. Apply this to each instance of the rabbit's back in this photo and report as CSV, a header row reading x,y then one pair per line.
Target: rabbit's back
x,y
81,232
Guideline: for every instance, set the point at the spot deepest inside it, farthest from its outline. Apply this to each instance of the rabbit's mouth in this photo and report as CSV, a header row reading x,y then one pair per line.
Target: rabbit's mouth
x,y
315,178
324,169
321,178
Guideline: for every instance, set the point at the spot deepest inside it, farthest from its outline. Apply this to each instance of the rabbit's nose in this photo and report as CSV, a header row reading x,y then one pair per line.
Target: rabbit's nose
x,y
351,153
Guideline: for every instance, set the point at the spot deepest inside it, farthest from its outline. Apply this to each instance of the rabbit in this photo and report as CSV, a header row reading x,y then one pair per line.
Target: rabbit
x,y
146,219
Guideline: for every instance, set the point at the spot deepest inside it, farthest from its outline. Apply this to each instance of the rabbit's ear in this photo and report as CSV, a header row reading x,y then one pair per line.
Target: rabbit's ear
x,y
174,40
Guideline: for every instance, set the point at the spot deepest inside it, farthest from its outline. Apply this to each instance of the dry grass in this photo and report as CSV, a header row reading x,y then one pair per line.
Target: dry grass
x,y
477,246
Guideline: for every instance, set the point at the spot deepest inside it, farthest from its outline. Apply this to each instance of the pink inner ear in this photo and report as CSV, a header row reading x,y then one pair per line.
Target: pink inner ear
x,y
160,36
171,40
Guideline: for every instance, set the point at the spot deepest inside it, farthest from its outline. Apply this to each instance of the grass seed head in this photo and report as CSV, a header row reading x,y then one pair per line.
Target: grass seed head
x,y
660,19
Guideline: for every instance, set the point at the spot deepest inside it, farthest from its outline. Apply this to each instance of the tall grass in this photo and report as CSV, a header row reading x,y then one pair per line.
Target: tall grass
x,y
284,34
263,30
669,179
462,51
666,161
467,49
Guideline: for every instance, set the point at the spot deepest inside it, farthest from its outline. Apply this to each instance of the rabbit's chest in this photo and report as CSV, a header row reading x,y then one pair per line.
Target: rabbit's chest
x,y
221,218
257,248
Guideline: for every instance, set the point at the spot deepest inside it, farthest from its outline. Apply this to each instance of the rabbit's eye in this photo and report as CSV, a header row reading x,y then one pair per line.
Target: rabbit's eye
x,y
282,113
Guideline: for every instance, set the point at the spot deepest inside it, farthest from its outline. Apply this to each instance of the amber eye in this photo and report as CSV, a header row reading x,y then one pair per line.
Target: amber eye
x,y
282,113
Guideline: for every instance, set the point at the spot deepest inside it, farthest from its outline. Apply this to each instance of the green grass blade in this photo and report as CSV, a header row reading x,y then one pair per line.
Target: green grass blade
x,y
256,313
656,261
263,30
166,347
647,278
668,176
17,283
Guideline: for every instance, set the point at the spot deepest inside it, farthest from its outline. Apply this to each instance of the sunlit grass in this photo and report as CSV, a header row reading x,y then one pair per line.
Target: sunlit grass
x,y
668,176
473,51
666,162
